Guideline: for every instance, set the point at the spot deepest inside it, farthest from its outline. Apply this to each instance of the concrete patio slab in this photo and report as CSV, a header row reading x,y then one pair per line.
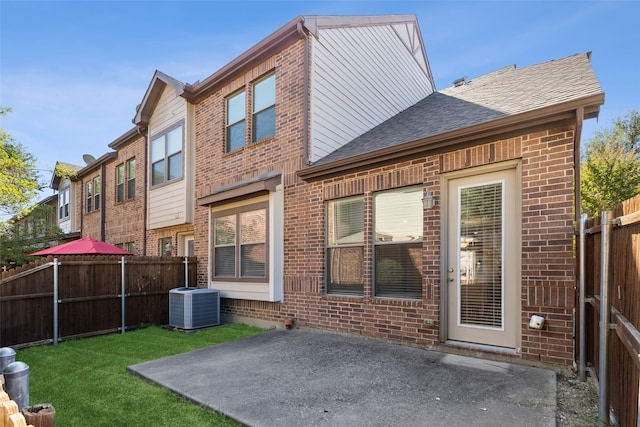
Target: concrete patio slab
x,y
307,377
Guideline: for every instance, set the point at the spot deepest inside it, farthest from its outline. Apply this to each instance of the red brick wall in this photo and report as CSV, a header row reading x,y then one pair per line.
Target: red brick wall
x,y
125,221
90,221
283,152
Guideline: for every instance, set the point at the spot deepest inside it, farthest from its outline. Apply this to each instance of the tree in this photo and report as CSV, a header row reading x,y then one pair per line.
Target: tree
x,y
28,234
19,180
610,166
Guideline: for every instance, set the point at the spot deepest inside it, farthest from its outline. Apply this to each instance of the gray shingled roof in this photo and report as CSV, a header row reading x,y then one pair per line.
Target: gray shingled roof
x,y
499,94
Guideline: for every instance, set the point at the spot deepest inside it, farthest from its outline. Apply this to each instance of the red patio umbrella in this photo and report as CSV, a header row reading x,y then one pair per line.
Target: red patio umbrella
x,y
84,246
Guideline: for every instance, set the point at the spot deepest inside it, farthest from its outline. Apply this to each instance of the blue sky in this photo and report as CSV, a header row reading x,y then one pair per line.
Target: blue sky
x,y
74,71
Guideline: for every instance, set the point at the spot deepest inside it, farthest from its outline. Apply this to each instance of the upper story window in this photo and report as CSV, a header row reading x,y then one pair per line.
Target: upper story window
x,y
236,123
166,155
263,114
63,203
264,108
126,181
93,195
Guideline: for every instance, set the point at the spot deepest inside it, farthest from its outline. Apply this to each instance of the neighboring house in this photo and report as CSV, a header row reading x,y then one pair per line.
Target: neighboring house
x,y
68,213
90,187
168,122
41,221
321,176
125,193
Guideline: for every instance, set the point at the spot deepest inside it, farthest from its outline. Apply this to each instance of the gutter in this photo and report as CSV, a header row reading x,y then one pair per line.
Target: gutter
x,y
456,137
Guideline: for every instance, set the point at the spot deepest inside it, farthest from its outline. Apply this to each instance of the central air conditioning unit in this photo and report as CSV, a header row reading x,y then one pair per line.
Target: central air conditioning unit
x,y
192,308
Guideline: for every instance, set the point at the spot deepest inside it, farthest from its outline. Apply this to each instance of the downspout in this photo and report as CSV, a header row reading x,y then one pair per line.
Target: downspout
x,y
576,160
144,200
306,84
103,171
82,201
581,327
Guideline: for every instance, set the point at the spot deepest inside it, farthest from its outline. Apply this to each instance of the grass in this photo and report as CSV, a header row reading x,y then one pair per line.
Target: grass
x,y
87,383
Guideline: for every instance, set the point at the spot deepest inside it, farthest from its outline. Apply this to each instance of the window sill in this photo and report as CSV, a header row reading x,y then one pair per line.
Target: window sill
x,y
340,297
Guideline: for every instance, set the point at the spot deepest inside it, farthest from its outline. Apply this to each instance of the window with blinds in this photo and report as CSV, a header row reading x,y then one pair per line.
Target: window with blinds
x,y
398,224
345,246
481,242
240,244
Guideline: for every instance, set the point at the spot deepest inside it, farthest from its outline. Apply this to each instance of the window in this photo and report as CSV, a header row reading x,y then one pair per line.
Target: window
x,y
93,195
240,244
264,108
398,225
345,246
126,173
236,123
166,156
131,179
63,203
89,196
263,114
129,247
120,183
165,247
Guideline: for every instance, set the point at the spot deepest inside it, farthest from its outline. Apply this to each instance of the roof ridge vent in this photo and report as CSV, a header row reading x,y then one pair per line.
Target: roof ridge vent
x,y
462,81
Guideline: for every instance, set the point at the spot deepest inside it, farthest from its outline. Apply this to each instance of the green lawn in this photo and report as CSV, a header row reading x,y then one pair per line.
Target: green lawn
x,y
87,382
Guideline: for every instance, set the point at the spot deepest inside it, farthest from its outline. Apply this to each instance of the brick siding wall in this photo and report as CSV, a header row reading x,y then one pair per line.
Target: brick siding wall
x,y
125,221
547,264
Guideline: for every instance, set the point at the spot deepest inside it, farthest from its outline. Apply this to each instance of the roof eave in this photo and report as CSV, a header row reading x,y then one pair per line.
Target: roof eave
x,y
434,143
93,165
124,139
265,48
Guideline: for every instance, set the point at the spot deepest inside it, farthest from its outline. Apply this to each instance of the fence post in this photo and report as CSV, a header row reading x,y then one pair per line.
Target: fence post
x,y
122,298
55,301
582,301
186,271
605,319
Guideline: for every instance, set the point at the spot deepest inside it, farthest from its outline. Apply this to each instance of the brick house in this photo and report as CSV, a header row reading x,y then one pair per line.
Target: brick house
x,y
445,223
320,176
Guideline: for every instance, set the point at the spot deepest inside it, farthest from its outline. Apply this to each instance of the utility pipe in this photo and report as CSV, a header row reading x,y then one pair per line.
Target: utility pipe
x,y
122,297
582,301
605,319
186,271
55,301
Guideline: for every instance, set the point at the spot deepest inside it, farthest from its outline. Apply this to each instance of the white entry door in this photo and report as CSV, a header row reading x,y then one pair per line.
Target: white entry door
x,y
483,271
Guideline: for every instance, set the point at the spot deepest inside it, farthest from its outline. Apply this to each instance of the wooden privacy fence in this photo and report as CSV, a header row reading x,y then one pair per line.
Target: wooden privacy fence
x,y
609,309
88,295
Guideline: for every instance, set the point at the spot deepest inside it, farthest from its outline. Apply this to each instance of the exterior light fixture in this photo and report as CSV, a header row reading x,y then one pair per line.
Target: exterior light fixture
x,y
428,201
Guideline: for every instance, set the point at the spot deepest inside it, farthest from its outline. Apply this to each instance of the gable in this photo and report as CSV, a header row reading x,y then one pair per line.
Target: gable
x,y
364,71
159,82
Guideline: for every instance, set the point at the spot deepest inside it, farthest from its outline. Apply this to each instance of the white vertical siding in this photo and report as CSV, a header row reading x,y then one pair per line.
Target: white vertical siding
x,y
360,77
172,204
